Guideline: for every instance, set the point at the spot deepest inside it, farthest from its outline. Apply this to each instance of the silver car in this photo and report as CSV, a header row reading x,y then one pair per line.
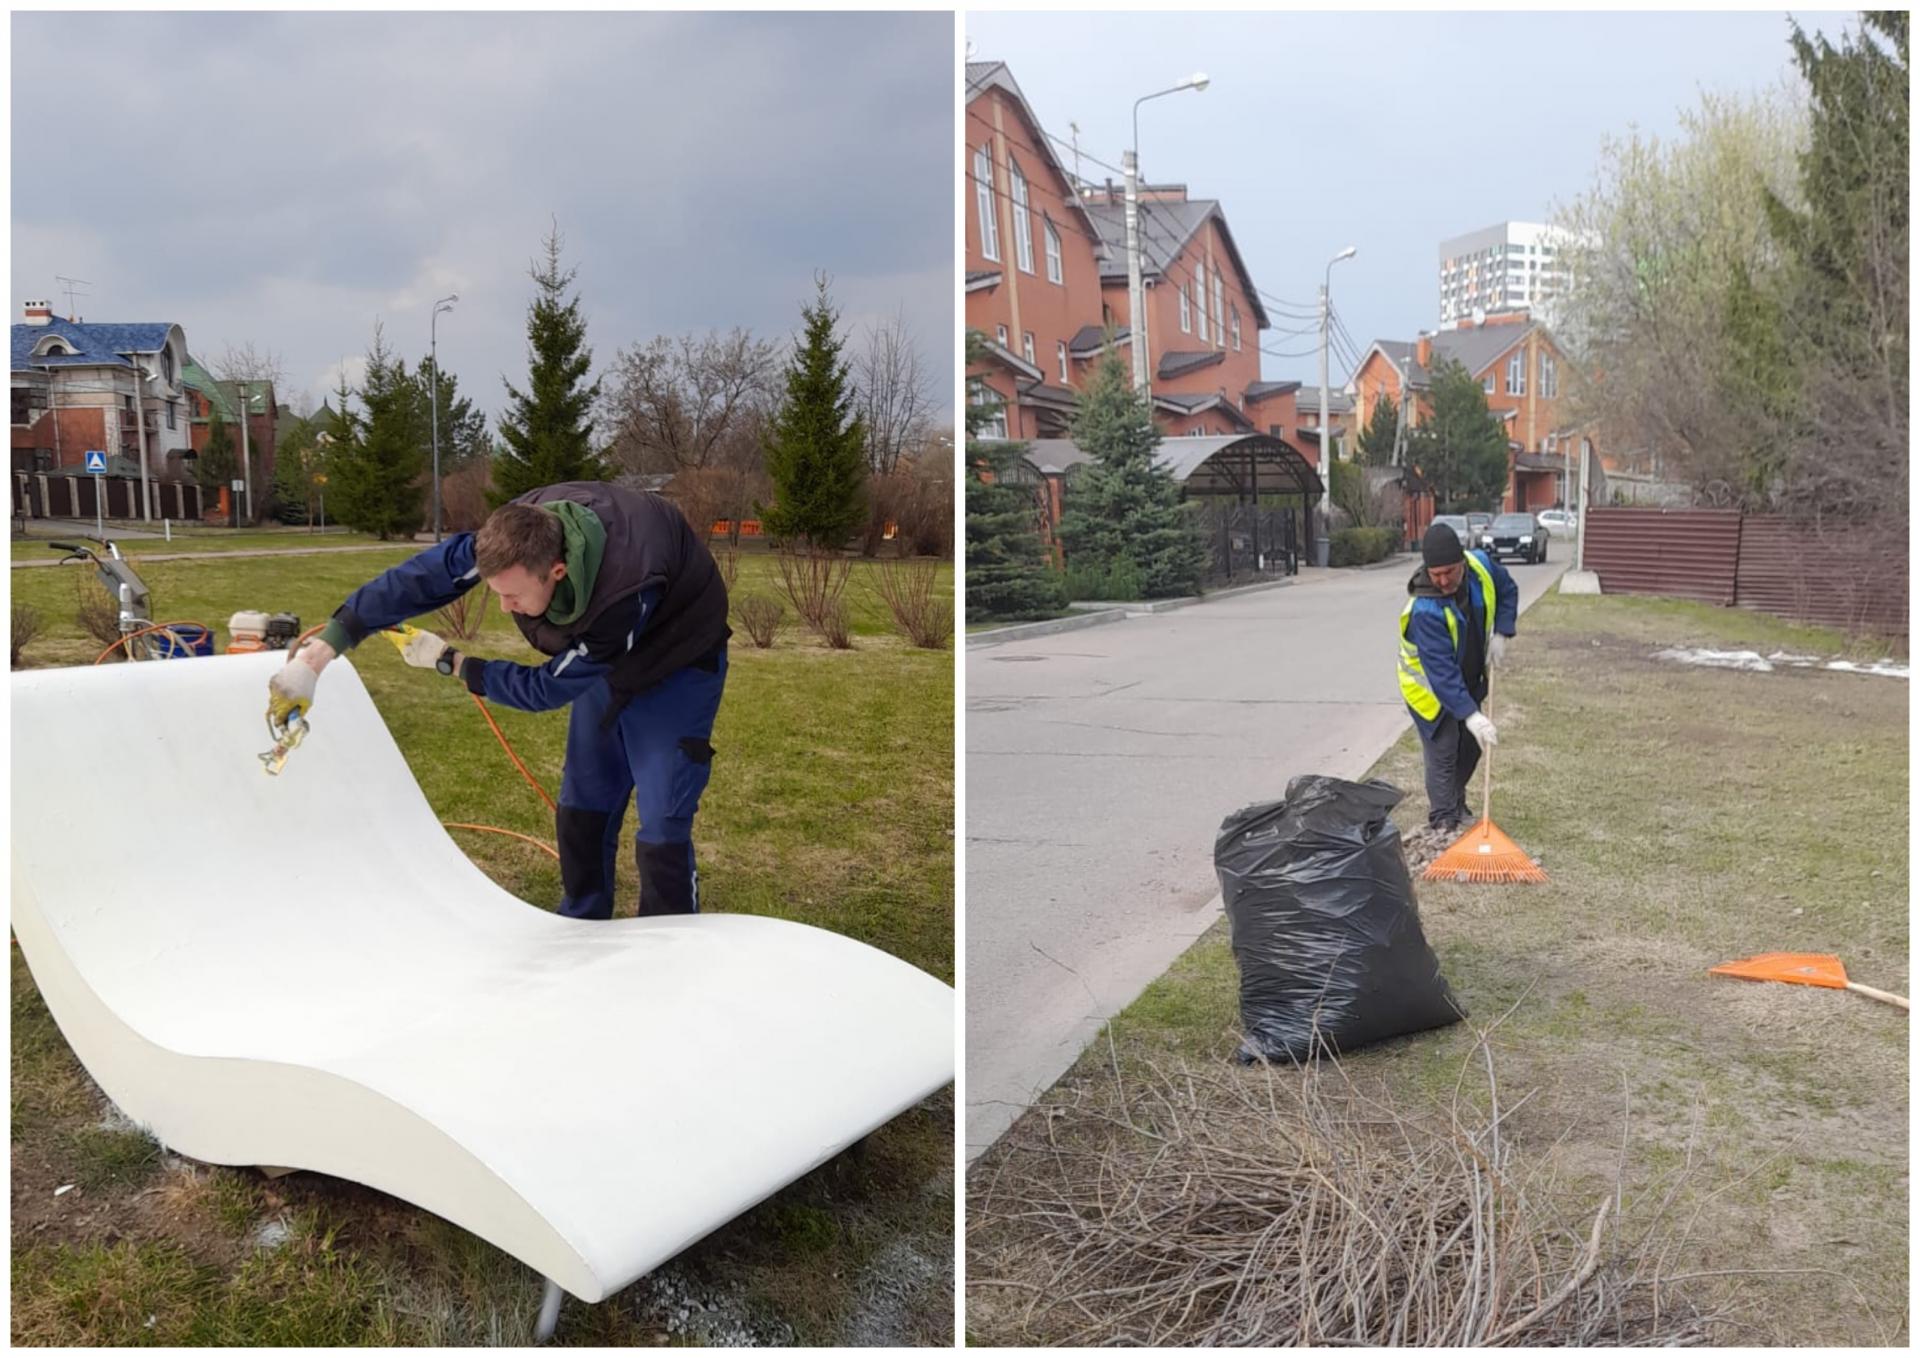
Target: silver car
x,y
1557,521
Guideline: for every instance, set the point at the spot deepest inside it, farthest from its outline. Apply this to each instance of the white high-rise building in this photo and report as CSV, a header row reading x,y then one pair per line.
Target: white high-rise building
x,y
1514,266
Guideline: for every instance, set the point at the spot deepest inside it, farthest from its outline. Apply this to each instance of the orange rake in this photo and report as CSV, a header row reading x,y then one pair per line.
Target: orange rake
x,y
1483,853
1803,968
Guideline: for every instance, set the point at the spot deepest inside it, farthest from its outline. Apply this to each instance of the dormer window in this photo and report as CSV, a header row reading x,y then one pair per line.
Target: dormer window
x,y
52,347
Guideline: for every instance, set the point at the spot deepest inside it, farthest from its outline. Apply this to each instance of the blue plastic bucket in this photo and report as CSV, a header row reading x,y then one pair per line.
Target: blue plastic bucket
x,y
176,643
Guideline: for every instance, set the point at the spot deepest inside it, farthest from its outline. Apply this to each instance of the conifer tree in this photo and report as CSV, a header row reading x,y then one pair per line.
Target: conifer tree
x,y
546,431
816,442
1008,574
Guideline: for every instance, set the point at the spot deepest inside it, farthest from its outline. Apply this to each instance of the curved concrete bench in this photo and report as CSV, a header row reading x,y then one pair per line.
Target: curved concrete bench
x,y
305,971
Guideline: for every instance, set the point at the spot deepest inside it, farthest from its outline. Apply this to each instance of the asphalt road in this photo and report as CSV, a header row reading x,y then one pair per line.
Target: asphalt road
x,y
1100,764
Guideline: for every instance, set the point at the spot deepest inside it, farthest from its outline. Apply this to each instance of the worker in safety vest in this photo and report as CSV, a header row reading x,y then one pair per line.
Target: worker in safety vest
x,y
623,595
1452,630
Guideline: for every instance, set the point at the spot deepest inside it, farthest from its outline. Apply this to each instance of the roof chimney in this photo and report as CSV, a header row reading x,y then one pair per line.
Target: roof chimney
x,y
39,313
1423,350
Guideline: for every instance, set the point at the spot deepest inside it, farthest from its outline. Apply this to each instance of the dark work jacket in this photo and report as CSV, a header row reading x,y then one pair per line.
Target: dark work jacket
x,y
649,544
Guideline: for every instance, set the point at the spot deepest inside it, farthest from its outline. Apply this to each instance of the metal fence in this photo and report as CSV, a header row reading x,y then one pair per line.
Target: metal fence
x,y
63,495
1249,543
1848,576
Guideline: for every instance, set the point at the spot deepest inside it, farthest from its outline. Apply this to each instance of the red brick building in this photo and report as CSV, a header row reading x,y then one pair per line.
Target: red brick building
x,y
1523,373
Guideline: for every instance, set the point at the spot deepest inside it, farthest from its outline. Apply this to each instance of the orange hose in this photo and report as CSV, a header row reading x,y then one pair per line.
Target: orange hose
x,y
157,627
541,845
500,735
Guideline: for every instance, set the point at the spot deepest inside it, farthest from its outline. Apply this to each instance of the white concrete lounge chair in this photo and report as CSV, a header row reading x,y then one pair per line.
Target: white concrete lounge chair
x,y
306,972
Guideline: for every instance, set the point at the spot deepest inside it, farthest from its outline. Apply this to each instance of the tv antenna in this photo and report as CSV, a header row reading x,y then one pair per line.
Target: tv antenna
x,y
69,286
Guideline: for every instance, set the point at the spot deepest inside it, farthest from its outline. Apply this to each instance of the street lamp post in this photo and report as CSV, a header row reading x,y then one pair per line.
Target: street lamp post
x,y
1321,545
246,450
433,398
1136,293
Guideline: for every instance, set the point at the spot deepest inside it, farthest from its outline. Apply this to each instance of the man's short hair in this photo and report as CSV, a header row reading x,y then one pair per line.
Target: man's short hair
x,y
519,535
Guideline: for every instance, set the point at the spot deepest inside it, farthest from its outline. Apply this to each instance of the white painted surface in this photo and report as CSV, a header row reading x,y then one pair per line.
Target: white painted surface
x,y
306,971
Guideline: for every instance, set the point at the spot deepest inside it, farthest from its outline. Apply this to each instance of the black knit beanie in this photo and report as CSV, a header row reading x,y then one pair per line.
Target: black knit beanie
x,y
1441,546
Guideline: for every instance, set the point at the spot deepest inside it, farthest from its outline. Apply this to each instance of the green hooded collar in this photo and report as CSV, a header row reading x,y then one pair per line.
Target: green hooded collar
x,y
585,543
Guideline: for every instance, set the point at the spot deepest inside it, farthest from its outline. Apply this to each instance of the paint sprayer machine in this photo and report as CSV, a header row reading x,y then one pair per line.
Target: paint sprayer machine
x,y
141,639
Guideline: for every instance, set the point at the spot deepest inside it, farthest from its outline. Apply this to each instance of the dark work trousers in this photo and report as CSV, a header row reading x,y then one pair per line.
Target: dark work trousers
x,y
657,754
1452,754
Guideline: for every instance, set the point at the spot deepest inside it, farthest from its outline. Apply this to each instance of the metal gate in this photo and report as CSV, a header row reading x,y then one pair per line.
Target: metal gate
x,y
1250,544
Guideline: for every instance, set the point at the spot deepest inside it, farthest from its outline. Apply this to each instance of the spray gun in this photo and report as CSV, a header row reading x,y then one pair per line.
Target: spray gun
x,y
285,743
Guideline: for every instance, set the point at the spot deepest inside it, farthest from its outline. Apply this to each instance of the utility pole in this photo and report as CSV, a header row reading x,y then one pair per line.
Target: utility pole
x,y
140,376
433,398
1136,298
246,456
1136,293
1321,547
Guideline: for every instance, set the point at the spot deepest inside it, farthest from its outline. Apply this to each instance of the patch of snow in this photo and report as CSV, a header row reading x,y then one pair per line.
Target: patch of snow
x,y
1754,661
1723,660
64,1188
1885,668
272,1234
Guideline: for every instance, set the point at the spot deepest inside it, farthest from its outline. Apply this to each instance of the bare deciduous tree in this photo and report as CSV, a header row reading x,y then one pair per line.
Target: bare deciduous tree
x,y
687,402
895,393
250,362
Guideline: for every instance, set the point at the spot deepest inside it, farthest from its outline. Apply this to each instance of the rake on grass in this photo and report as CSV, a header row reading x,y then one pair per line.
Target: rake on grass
x,y
1803,968
1483,853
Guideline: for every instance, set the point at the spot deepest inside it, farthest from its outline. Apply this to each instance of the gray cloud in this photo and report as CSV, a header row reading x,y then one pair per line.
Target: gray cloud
x,y
289,178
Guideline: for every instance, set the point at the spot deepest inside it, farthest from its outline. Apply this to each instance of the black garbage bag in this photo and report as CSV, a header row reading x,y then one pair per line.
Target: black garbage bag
x,y
1326,930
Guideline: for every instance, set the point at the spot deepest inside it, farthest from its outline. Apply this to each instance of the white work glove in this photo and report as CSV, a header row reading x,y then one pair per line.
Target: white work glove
x,y
1496,649
290,691
423,650
1483,729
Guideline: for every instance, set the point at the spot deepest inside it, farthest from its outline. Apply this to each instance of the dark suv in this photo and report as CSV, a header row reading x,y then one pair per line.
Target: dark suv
x,y
1519,536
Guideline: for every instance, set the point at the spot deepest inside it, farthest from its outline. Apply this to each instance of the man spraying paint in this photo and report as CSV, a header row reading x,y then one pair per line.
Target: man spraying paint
x,y
621,592
1452,631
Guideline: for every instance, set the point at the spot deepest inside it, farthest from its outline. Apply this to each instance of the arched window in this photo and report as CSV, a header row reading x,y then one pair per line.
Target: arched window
x,y
983,197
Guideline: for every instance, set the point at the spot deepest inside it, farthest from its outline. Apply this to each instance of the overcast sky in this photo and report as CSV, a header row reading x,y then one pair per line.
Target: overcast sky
x,y
289,178
1389,132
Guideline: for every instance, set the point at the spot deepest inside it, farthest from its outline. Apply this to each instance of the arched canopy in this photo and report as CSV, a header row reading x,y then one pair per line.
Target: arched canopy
x,y
1238,466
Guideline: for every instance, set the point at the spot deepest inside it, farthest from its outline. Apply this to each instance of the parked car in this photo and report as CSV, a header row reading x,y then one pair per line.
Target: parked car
x,y
1458,523
1520,536
1477,525
1557,521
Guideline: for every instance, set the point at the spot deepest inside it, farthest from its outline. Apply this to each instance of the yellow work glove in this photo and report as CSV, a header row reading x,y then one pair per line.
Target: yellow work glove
x,y
290,695
421,649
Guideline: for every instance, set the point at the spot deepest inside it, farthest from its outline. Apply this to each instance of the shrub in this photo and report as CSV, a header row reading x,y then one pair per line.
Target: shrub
x,y
761,617
728,560
813,579
466,615
908,588
97,612
836,627
26,626
1360,546
1105,581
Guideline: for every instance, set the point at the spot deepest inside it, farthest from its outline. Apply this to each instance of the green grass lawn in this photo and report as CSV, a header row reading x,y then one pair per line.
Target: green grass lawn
x,y
831,803
1687,816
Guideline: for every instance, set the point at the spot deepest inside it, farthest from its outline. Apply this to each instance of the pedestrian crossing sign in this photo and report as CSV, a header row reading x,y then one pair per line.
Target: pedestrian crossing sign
x,y
96,461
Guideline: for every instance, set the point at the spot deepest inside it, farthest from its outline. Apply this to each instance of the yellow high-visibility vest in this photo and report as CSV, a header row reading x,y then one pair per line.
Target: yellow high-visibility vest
x,y
1413,676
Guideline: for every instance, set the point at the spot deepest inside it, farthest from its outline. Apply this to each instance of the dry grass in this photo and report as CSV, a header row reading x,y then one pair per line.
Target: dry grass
x,y
1208,1206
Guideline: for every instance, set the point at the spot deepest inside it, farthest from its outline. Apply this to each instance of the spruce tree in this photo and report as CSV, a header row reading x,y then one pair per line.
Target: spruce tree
x,y
816,443
546,432
1008,574
376,476
217,461
463,429
1462,450
1383,428
1126,508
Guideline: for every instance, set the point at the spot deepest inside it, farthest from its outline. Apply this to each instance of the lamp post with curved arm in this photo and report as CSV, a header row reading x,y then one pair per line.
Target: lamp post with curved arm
x,y
433,398
1136,295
